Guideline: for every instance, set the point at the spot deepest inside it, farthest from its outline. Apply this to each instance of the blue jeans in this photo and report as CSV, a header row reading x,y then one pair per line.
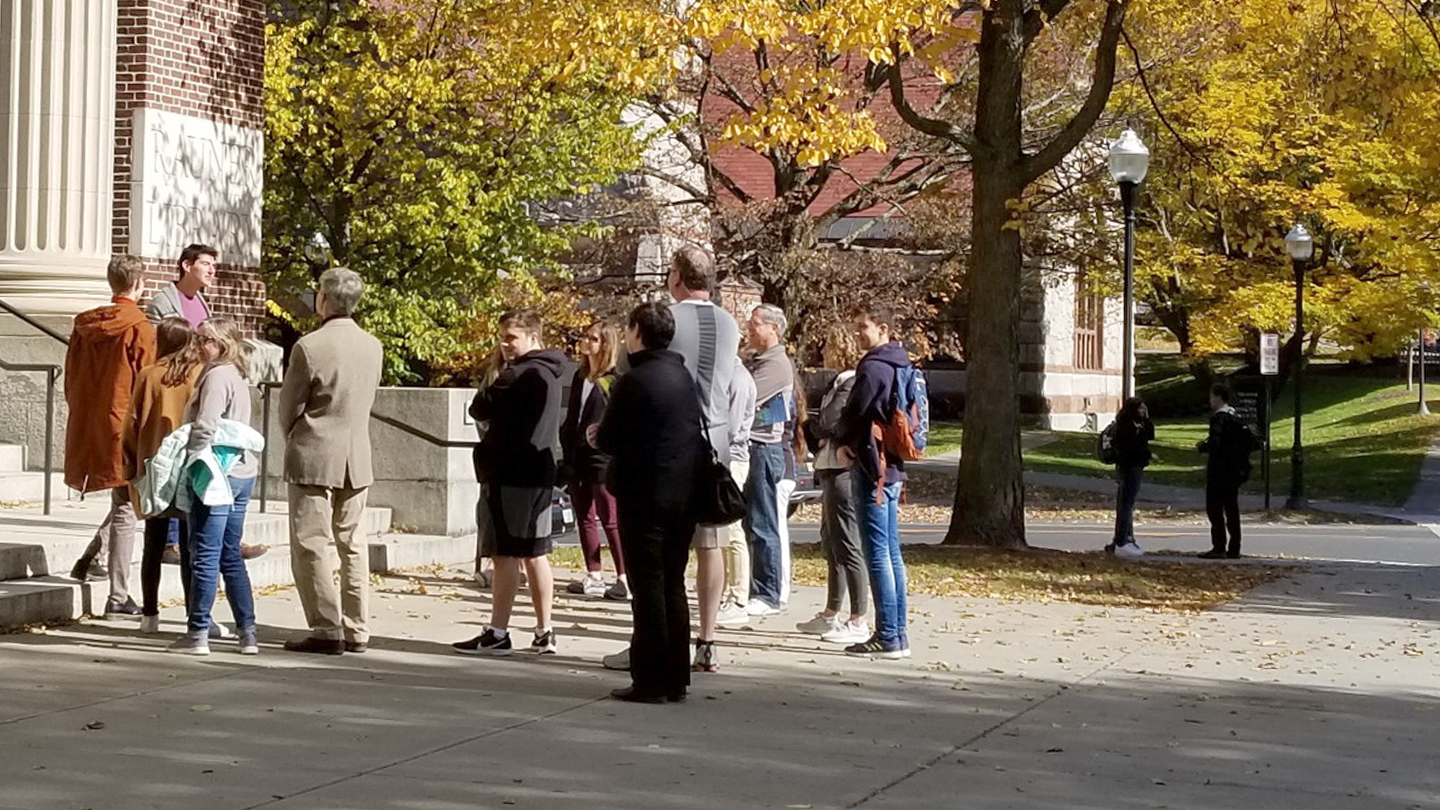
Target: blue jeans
x,y
1127,490
214,553
762,521
880,538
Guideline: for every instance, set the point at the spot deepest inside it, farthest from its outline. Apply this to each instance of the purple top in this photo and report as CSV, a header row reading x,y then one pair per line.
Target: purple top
x,y
192,308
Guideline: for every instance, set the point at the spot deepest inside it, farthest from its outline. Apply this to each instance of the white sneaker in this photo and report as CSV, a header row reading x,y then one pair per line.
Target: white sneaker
x,y
848,632
820,624
619,661
759,608
1129,551
220,631
591,585
150,624
732,614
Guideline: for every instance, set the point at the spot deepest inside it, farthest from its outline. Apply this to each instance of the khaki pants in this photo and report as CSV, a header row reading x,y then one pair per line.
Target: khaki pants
x,y
735,549
318,516
115,542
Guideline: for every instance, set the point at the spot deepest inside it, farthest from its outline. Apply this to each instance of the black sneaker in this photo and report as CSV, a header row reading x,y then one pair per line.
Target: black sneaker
x,y
1232,555
1212,554
115,610
543,643
487,643
86,570
619,592
875,648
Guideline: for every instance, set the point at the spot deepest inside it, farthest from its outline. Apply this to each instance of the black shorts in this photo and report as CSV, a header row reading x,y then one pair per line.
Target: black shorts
x,y
520,517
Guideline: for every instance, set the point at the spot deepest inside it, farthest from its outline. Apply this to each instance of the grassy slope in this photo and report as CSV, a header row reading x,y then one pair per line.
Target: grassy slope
x,y
1363,443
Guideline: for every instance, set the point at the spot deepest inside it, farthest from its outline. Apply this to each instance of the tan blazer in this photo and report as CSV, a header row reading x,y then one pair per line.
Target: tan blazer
x,y
325,406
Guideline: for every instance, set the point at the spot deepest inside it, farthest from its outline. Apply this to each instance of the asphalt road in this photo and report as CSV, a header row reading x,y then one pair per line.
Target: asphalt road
x,y
1411,545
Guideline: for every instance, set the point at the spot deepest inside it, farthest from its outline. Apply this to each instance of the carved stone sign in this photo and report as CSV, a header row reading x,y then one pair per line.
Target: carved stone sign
x,y
195,181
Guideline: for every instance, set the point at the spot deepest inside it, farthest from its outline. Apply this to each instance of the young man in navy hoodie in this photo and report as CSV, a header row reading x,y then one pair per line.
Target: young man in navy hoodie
x,y
878,478
516,459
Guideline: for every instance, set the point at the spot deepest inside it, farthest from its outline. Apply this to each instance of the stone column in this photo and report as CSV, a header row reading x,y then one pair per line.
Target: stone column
x,y
57,129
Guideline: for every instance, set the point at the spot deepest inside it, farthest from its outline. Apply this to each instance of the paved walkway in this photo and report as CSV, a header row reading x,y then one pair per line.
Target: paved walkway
x,y
1422,509
1317,692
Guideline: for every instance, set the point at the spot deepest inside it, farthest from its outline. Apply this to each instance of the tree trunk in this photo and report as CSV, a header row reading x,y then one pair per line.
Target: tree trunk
x,y
990,493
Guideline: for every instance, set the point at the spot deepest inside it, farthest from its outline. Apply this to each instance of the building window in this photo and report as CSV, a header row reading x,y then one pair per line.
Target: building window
x,y
1089,327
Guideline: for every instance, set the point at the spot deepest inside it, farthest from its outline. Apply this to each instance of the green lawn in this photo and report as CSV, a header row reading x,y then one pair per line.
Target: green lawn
x,y
944,438
1363,443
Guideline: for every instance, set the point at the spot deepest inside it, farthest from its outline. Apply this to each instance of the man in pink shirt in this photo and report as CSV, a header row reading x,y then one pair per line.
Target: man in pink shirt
x,y
184,297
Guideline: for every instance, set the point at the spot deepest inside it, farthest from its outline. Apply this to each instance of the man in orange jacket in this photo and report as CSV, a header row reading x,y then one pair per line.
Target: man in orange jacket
x,y
108,347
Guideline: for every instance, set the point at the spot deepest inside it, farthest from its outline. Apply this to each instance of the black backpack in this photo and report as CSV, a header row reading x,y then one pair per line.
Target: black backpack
x,y
1105,449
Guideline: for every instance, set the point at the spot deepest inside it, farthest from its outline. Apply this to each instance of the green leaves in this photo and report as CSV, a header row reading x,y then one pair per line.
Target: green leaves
x,y
417,138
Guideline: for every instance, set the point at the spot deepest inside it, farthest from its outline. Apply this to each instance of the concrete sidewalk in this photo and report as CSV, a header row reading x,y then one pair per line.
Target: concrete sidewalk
x,y
1317,692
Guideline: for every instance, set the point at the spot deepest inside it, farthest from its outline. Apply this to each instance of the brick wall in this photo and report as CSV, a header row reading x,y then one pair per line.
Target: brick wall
x,y
237,293
203,58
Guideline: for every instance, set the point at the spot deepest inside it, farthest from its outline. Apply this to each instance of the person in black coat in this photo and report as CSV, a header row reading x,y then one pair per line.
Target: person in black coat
x,y
1227,466
1133,433
651,431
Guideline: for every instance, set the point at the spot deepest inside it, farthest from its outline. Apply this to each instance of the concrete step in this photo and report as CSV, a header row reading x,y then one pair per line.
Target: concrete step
x,y
17,487
52,598
12,460
32,544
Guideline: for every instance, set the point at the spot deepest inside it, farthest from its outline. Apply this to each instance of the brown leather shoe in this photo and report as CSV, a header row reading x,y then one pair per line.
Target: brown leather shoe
x,y
249,552
356,646
310,644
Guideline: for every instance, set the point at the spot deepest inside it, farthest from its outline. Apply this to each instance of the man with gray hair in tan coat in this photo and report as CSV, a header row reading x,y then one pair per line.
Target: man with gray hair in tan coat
x,y
325,412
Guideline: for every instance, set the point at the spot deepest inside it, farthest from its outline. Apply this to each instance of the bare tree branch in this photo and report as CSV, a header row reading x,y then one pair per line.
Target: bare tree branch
x,y
1084,120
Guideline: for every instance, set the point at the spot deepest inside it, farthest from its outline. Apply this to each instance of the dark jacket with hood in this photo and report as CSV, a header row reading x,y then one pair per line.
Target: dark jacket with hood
x,y
871,403
1133,435
652,433
583,462
108,348
1228,447
523,410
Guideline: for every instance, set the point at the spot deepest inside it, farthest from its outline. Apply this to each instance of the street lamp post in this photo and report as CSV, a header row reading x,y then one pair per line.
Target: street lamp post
x,y
1424,409
1300,246
1129,161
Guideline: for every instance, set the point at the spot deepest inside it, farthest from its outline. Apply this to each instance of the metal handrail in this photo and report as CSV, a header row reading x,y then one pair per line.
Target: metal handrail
x,y
52,373
31,321
267,387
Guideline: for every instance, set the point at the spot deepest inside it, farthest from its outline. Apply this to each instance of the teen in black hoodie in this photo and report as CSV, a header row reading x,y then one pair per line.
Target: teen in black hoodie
x,y
516,460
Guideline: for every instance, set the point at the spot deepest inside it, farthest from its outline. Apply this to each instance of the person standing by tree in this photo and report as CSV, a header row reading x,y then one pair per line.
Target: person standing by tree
x,y
108,348
1227,466
774,390
652,430
1133,433
585,467
517,461
707,338
325,412
878,479
839,529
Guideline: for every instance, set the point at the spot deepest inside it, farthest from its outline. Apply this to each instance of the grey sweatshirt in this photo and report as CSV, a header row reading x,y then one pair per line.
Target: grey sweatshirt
x,y
221,394
774,377
742,413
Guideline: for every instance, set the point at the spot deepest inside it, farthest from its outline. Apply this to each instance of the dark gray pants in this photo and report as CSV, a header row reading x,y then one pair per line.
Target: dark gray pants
x,y
840,541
